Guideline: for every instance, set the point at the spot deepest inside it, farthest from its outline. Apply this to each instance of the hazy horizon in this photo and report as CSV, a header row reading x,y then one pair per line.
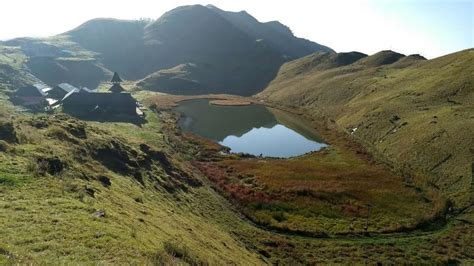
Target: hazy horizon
x,y
429,28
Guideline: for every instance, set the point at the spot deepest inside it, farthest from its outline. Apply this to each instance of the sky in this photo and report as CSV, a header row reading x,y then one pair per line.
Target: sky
x,y
431,28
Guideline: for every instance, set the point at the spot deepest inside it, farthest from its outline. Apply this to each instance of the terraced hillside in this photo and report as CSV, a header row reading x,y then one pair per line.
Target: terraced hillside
x,y
414,113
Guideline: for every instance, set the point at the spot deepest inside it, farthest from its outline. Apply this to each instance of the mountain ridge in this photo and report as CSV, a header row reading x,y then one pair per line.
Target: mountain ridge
x,y
183,36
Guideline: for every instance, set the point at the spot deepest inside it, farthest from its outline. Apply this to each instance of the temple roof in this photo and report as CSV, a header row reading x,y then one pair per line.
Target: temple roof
x,y
66,87
116,88
116,78
102,98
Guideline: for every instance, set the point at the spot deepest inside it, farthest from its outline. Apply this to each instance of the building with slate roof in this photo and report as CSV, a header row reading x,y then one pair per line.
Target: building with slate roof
x,y
115,102
31,96
60,90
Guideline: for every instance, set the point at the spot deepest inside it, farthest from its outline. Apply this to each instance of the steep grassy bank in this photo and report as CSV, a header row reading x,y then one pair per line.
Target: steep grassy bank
x,y
77,72
415,114
76,192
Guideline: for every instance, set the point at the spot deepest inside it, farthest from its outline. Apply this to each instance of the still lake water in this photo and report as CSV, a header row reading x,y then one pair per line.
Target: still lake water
x,y
252,129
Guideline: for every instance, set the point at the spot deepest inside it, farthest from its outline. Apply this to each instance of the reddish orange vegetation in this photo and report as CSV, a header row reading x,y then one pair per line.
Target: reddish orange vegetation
x,y
318,172
244,193
326,191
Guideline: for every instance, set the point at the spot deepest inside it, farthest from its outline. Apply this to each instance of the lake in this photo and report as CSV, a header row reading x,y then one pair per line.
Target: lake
x,y
253,129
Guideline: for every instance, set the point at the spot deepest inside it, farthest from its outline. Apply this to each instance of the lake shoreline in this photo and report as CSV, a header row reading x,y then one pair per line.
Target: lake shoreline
x,y
249,129
165,102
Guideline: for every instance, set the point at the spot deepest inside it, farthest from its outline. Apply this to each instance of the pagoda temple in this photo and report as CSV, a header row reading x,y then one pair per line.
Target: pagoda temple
x,y
115,102
116,87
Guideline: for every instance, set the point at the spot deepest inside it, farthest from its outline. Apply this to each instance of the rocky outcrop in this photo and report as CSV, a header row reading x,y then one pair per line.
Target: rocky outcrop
x,y
7,132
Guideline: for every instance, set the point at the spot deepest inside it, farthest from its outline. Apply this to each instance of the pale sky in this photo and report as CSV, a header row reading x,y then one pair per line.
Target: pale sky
x,y
428,27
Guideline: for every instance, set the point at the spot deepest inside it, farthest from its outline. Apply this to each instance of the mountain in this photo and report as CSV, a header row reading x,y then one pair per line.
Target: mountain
x,y
230,52
80,73
119,44
189,50
277,35
415,113
55,60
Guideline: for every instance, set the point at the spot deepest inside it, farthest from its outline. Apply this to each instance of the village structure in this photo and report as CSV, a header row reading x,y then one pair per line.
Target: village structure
x,y
79,101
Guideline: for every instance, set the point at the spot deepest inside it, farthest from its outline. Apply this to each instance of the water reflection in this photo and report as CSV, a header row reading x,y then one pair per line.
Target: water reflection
x,y
252,129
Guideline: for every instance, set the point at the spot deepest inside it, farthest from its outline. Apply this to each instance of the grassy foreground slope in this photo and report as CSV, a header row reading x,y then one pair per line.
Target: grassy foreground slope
x,y
416,114
77,192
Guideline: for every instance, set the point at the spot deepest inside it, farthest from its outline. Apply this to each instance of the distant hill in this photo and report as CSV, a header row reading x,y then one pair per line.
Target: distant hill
x,y
119,44
182,79
11,79
417,113
80,73
381,58
320,61
12,73
238,54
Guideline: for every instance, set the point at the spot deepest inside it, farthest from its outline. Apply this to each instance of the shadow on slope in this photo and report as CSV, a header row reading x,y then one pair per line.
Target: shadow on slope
x,y
80,73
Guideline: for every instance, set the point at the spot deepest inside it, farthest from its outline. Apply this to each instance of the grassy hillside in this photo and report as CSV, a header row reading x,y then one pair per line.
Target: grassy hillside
x,y
414,113
76,192
183,79
119,43
53,60
13,73
77,72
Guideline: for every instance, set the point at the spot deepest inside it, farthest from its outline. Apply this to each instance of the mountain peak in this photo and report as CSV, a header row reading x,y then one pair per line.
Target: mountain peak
x,y
383,57
232,51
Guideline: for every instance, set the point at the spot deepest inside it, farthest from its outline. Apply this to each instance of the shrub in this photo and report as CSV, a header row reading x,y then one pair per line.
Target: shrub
x,y
4,146
161,258
7,132
59,133
43,166
279,216
181,252
36,168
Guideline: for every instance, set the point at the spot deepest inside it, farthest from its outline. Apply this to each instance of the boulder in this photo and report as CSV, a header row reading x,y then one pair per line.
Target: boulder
x,y
105,181
52,166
